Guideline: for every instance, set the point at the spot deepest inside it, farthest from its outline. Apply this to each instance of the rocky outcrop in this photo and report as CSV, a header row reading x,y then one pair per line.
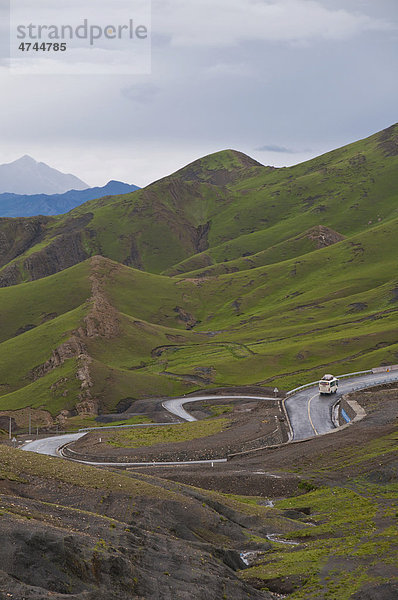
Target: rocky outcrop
x,y
10,275
102,320
64,252
88,405
18,235
324,236
73,348
201,240
185,317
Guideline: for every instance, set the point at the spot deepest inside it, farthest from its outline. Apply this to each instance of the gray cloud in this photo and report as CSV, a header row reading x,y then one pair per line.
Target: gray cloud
x,y
275,148
317,91
141,93
229,22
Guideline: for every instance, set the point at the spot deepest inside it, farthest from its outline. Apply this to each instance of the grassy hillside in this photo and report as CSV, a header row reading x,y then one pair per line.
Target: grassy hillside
x,y
225,205
348,190
226,273
177,335
350,550
80,530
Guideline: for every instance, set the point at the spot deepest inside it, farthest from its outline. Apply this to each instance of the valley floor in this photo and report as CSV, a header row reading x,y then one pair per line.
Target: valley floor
x,y
315,520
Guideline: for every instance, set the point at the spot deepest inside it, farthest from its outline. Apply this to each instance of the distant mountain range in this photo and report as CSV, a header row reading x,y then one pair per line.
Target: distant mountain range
x,y
27,176
14,205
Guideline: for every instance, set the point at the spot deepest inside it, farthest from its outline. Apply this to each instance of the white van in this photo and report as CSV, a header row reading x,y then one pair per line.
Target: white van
x,y
328,384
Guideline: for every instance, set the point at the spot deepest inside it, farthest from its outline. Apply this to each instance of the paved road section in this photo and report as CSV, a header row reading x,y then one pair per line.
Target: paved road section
x,y
51,445
310,414
176,406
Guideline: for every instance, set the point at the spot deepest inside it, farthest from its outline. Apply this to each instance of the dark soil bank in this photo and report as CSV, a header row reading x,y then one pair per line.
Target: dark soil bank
x,y
91,541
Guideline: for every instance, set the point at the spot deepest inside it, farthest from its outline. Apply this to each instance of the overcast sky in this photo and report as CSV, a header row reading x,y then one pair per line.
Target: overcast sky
x,y
282,80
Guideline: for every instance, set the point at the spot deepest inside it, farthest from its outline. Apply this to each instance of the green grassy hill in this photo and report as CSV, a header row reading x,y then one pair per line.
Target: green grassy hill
x,y
225,205
225,273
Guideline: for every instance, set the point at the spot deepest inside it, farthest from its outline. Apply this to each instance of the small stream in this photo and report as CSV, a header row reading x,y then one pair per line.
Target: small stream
x,y
251,556
273,537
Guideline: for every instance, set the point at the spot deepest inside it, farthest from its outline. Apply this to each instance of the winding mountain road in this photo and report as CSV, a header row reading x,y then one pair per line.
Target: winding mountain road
x,y
176,405
51,445
309,413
